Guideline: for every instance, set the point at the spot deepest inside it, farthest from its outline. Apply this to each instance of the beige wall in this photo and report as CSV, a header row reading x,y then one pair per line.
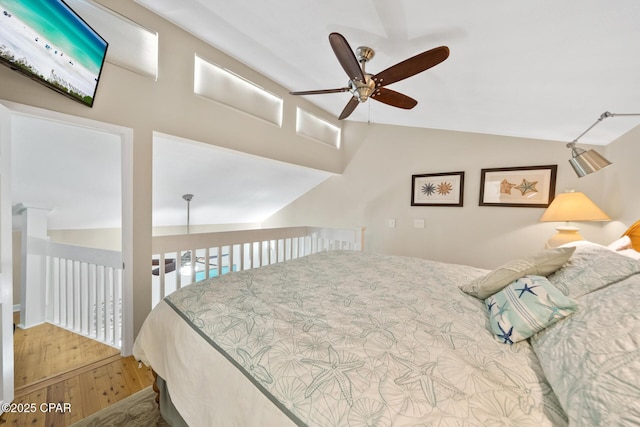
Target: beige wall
x,y
202,228
622,194
376,186
103,238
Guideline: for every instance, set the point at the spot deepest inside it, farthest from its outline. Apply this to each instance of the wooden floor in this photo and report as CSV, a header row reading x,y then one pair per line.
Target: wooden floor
x,y
53,365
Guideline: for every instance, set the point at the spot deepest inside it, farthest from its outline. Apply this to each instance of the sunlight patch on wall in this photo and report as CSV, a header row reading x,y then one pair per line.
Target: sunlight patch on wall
x,y
317,129
131,46
226,87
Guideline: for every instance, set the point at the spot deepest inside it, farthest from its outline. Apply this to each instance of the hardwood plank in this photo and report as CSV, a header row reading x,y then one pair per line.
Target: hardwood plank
x,y
118,383
56,416
136,377
94,376
35,419
86,393
104,389
73,395
89,392
46,350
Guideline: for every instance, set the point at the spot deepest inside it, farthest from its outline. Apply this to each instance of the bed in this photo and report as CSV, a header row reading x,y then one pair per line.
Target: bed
x,y
349,338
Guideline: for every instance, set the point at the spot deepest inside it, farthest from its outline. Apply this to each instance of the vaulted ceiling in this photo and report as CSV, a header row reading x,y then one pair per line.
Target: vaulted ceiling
x,y
545,69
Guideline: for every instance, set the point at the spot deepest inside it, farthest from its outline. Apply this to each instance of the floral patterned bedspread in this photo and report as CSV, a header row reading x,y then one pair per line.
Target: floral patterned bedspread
x,y
593,359
345,338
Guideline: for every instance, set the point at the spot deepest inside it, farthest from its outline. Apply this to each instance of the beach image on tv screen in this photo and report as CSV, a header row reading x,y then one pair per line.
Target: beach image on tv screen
x,y
46,39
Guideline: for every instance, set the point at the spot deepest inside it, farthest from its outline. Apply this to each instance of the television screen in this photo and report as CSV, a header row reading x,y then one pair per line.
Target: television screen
x,y
47,41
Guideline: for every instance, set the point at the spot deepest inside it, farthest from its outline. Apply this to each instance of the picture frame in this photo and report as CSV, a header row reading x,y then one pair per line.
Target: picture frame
x,y
438,189
525,186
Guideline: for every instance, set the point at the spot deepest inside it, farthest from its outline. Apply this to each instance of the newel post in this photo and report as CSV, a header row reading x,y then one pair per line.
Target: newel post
x,y
33,283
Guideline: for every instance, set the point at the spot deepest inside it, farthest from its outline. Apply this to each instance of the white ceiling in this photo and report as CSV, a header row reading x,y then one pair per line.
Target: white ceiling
x,y
228,187
71,170
540,69
76,173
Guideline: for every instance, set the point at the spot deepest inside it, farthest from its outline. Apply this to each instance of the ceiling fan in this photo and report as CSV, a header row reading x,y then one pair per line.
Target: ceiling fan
x,y
363,85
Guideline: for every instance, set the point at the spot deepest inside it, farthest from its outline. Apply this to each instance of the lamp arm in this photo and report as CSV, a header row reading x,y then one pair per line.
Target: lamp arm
x,y
603,116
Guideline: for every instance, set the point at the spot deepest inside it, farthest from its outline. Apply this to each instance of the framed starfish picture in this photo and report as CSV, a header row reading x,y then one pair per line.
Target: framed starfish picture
x,y
526,186
437,189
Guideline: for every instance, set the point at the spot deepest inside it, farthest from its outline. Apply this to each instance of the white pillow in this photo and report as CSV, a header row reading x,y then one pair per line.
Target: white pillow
x,y
631,253
541,264
622,243
584,244
592,267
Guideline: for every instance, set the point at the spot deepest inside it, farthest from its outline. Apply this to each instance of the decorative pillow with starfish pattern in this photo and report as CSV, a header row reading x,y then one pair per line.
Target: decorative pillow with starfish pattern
x,y
526,306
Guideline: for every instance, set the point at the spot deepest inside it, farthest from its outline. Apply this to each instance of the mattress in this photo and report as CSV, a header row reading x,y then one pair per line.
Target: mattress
x,y
342,338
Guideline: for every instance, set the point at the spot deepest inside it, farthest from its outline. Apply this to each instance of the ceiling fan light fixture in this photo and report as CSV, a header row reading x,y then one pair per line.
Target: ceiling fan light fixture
x,y
363,90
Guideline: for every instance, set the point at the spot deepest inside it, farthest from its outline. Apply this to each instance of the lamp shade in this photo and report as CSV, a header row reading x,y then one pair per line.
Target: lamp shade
x,y
573,206
586,162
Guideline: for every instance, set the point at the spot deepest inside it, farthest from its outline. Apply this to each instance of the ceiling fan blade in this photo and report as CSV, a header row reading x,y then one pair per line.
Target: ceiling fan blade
x,y
351,105
393,98
346,57
319,92
169,266
412,66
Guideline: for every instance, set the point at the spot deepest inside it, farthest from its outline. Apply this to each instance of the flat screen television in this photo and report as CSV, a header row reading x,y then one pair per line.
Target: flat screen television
x,y
47,41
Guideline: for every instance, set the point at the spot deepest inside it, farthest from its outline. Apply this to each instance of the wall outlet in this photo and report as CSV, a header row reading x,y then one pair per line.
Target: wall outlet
x,y
418,223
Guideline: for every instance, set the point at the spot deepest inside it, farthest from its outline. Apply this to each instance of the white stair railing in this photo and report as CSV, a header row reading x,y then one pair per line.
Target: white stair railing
x,y
179,260
84,286
84,291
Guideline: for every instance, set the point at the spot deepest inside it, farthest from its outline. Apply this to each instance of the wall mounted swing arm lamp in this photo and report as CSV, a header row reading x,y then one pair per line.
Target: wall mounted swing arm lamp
x,y
585,162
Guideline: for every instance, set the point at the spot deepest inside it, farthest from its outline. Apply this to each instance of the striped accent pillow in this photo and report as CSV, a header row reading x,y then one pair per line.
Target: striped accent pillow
x,y
526,306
